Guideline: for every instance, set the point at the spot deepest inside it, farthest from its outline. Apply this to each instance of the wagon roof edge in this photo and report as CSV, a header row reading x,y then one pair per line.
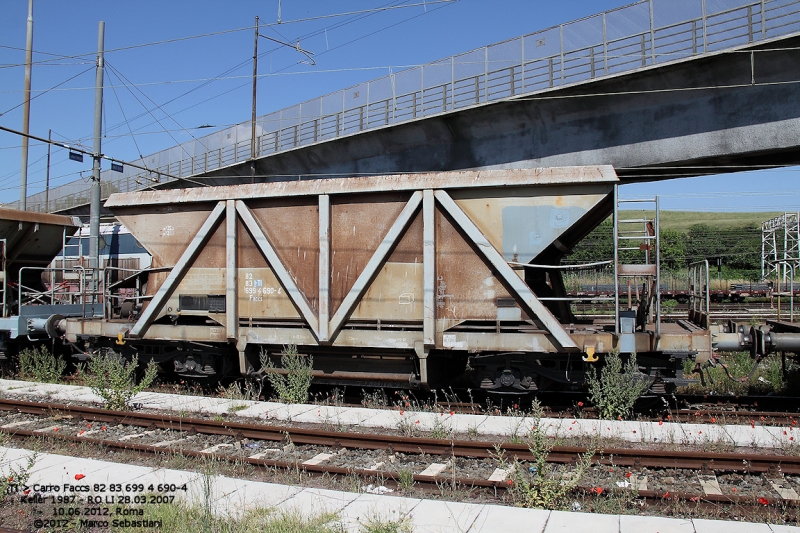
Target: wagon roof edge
x,y
574,175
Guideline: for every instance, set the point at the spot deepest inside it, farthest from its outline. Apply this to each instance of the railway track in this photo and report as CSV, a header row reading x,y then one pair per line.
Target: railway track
x,y
701,414
314,451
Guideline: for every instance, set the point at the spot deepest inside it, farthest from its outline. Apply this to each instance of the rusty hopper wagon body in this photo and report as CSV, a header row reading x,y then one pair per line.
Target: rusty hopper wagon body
x,y
413,280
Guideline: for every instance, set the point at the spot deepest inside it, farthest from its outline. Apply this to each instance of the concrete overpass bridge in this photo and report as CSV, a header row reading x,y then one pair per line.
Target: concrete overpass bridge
x,y
658,89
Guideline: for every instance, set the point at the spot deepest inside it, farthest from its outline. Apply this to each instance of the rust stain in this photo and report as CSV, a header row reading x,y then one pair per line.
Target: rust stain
x,y
357,228
409,249
212,255
292,226
466,288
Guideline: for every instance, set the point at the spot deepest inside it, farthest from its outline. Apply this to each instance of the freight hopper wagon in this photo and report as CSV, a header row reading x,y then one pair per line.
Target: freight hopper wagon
x,y
419,280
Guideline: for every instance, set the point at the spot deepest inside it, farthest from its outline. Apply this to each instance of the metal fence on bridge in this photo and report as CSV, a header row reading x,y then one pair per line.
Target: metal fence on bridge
x,y
638,35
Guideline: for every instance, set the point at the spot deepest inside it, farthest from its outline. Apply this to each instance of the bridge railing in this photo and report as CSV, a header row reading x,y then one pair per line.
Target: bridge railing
x,y
638,35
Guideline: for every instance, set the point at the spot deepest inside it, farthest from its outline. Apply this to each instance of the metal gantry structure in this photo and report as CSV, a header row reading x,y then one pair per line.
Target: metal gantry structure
x,y
780,246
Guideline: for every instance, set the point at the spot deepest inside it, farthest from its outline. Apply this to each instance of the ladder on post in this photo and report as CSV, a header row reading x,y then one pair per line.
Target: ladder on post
x,y
72,254
637,256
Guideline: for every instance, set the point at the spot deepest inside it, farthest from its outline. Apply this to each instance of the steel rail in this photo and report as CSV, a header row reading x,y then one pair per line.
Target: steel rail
x,y
771,418
651,458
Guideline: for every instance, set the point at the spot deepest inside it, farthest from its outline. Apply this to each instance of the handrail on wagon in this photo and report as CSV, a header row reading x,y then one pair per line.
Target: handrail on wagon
x,y
563,267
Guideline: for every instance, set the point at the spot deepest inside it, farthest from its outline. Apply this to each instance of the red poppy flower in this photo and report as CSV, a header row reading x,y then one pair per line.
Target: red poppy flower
x,y
580,404
763,501
79,477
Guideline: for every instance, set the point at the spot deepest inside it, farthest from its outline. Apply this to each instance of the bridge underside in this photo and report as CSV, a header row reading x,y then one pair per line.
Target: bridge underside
x,y
725,112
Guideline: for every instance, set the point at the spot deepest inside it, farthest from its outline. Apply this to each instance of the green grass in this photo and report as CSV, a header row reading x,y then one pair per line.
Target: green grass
x,y
768,377
181,518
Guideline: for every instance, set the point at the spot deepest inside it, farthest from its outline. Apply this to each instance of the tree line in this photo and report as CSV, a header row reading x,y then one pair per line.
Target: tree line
x,y
736,251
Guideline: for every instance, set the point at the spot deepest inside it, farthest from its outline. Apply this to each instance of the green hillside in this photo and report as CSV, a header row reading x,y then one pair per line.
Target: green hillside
x,y
683,220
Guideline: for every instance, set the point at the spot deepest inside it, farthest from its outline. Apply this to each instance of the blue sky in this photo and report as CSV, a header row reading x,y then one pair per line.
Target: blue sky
x,y
347,50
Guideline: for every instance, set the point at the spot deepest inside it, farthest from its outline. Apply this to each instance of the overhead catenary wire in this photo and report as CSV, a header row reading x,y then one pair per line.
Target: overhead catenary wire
x,y
387,7
246,62
58,57
133,137
102,156
347,13
160,108
228,31
41,93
